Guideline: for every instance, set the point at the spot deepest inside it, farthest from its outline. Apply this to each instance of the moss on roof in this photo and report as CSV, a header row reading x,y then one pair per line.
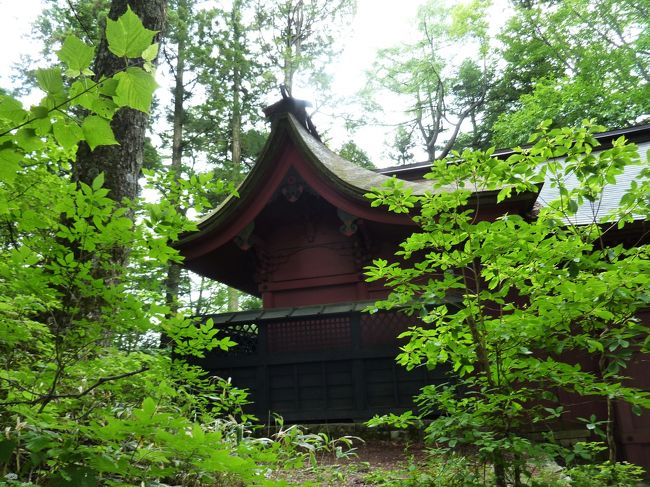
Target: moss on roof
x,y
353,180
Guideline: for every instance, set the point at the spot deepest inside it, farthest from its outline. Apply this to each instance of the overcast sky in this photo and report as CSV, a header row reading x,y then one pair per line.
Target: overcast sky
x,y
378,24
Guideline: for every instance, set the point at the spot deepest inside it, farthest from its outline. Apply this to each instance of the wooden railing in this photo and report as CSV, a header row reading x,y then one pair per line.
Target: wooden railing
x,y
322,363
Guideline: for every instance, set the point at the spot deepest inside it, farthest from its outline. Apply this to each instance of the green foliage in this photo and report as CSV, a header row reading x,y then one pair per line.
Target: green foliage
x,y
77,56
96,131
616,474
127,37
304,35
509,303
298,446
402,147
221,110
563,61
135,89
439,91
571,60
23,132
446,468
441,469
87,397
353,153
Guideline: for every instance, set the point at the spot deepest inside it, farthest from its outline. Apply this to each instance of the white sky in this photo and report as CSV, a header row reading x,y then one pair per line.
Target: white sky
x,y
16,18
378,24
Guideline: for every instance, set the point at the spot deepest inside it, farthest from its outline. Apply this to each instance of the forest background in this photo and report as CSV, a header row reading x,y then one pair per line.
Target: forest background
x,y
90,287
390,85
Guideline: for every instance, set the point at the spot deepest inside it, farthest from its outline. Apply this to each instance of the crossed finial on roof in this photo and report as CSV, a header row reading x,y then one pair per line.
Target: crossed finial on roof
x,y
296,107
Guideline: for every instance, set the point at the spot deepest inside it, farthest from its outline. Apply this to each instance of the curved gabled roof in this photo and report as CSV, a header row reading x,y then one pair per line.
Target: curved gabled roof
x,y
292,152
339,181
354,179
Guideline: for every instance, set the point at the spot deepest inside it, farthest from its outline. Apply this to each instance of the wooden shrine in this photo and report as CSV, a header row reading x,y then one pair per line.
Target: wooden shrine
x,y
299,236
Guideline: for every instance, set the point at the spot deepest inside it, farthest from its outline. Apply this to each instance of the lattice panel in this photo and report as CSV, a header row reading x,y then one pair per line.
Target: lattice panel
x,y
382,329
245,335
309,335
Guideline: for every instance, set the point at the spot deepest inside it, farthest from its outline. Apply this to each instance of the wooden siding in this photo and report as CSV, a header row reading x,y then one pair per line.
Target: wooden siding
x,y
321,367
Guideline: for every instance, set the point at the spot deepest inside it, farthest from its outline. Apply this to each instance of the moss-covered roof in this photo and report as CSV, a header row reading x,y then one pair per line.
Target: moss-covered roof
x,y
341,171
352,180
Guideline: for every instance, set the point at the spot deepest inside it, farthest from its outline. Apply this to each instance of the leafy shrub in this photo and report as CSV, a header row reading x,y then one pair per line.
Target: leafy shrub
x,y
86,396
508,302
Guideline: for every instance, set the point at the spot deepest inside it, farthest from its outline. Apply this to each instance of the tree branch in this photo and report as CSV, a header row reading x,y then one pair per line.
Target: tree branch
x,y
50,397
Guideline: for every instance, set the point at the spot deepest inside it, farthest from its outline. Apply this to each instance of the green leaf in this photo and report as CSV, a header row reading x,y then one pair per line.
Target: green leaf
x,y
108,87
76,54
41,126
6,449
104,107
572,206
27,139
150,53
11,110
127,36
67,134
39,112
84,93
149,406
40,443
135,89
50,80
504,193
97,131
74,476
9,164
98,182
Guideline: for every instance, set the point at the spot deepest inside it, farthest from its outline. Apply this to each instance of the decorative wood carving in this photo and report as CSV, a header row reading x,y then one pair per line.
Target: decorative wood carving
x,y
349,226
264,267
292,189
244,239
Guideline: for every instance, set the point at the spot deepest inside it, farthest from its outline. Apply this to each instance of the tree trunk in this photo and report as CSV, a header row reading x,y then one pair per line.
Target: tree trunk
x,y
293,41
499,472
610,430
235,123
121,164
172,281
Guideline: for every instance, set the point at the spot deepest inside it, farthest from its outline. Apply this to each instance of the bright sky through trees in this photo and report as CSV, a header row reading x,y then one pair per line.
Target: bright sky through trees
x,y
378,24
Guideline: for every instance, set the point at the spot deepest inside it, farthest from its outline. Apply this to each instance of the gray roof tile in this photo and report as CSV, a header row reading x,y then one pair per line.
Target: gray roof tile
x,y
611,198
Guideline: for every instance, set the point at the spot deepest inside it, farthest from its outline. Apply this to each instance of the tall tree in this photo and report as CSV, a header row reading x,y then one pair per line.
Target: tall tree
x,y
401,150
572,60
121,163
214,112
236,118
441,91
227,124
523,307
94,410
177,33
303,37
353,153
226,129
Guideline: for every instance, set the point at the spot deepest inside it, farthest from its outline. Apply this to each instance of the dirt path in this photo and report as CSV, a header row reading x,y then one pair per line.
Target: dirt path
x,y
364,469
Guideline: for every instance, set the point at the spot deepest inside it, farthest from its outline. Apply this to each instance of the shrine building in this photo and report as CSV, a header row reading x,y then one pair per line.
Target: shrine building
x,y
298,236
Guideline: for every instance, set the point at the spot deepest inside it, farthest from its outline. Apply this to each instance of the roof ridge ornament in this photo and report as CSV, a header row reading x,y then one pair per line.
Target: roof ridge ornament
x,y
290,105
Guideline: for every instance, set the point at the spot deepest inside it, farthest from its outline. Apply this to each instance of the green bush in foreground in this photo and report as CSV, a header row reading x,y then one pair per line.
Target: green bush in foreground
x,y
445,468
509,303
86,396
